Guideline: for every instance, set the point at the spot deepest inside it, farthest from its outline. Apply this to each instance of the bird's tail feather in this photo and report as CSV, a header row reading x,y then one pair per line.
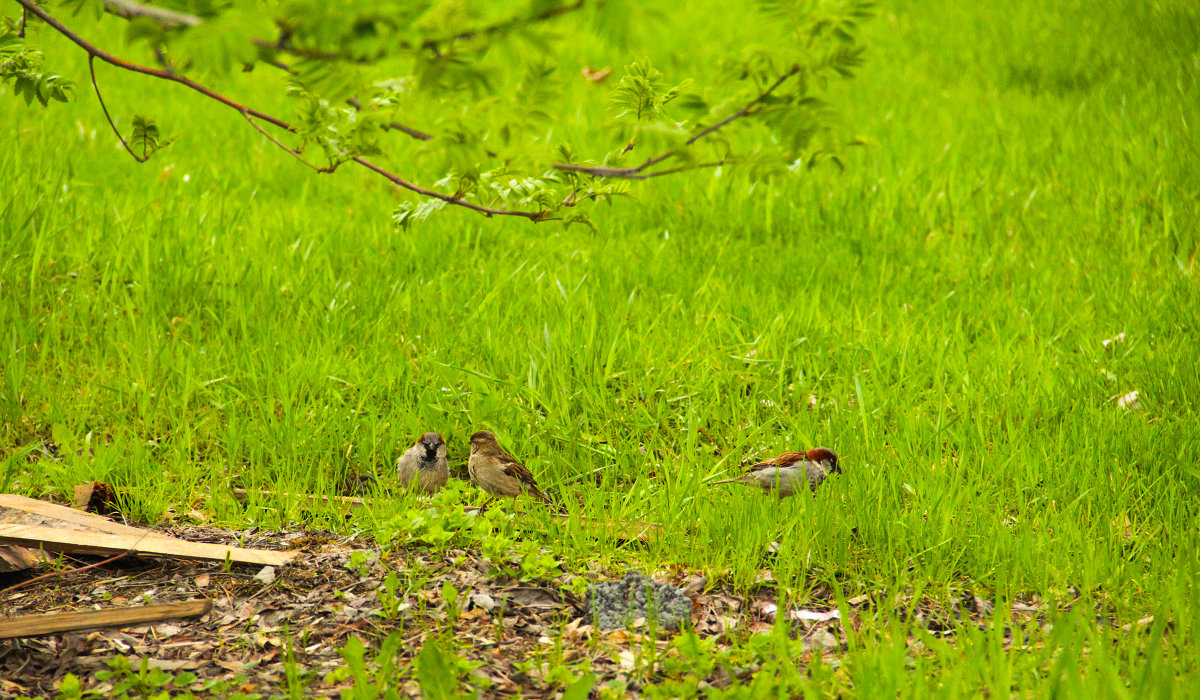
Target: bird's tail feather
x,y
537,493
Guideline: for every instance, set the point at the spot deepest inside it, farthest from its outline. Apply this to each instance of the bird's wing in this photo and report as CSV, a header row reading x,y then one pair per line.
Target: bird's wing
x,y
520,472
515,469
406,458
787,459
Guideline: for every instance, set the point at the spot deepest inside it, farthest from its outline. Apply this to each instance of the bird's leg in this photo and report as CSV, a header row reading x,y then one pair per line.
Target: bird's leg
x,y
483,508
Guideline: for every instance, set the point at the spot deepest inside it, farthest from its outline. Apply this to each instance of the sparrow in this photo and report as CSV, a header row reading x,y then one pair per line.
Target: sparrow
x,y
426,463
497,472
790,471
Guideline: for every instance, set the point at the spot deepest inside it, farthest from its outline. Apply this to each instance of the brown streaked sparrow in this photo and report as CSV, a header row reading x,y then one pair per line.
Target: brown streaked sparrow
x,y
790,471
497,472
424,462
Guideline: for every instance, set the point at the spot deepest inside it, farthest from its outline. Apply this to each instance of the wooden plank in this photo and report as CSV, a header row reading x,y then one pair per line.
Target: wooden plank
x,y
54,539
53,511
51,623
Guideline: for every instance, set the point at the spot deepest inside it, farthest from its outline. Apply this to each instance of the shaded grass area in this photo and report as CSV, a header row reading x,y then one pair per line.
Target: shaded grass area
x,y
935,314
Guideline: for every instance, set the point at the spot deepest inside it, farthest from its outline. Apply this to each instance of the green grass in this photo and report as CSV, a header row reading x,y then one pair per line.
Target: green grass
x,y
1033,190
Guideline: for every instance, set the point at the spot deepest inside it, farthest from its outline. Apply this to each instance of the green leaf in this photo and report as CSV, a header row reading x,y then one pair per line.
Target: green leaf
x,y
844,59
55,87
433,672
145,138
386,659
26,87
354,654
64,439
581,689
331,81
403,217
449,594
70,688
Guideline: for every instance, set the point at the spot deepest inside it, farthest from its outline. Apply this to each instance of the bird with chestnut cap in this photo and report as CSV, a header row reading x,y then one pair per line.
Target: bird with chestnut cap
x,y
425,464
789,472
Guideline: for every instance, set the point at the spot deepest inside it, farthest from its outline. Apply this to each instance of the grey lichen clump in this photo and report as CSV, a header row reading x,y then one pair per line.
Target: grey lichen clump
x,y
616,604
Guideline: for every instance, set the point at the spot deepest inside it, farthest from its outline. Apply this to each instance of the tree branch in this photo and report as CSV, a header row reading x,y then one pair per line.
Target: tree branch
x,y
131,8
434,45
747,110
501,27
634,173
95,52
638,172
534,216
110,59
292,152
415,133
127,9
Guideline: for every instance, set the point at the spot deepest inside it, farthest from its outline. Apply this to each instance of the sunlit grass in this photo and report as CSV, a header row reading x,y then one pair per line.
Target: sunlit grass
x,y
936,314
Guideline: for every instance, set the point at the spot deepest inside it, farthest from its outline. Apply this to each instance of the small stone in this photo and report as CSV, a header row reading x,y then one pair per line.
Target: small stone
x,y
635,599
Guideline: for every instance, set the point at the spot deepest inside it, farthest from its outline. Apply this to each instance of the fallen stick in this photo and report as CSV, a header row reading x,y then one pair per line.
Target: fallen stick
x,y
54,539
50,623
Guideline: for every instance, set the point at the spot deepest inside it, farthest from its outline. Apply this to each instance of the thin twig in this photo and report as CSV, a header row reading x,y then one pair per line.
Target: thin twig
x,y
292,152
314,54
433,45
601,171
110,59
745,111
415,133
64,572
500,27
534,216
638,172
684,168
635,173
92,69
